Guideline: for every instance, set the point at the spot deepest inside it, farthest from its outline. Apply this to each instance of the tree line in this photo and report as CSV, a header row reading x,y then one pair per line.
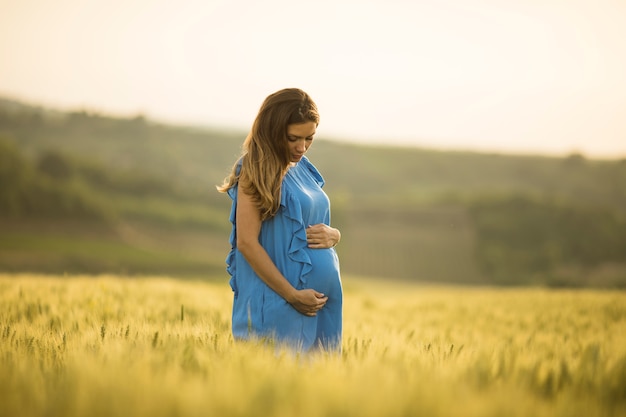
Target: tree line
x,y
522,239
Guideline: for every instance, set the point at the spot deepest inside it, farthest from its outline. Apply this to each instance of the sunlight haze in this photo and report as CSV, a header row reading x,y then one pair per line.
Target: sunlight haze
x,y
506,76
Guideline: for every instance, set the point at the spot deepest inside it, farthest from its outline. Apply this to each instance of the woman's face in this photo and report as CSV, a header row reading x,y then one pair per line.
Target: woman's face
x,y
299,138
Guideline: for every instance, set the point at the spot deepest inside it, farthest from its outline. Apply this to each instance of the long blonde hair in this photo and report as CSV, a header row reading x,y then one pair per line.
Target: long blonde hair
x,y
265,155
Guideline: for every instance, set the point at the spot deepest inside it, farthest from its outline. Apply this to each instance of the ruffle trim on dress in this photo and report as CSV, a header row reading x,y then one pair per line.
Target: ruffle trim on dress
x,y
297,247
231,264
293,211
313,171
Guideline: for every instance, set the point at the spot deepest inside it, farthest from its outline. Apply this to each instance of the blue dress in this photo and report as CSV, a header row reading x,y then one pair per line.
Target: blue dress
x,y
258,311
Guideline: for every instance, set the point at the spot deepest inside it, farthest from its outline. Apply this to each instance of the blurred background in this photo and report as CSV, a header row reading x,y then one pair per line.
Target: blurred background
x,y
476,142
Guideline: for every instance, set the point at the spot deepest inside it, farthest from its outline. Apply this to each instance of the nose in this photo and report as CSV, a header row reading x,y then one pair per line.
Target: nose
x,y
301,146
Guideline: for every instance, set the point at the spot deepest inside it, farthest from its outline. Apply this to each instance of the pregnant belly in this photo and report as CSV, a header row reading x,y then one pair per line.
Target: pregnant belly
x,y
324,276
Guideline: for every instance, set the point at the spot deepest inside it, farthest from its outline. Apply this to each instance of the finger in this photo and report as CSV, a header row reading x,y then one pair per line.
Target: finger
x,y
317,230
314,241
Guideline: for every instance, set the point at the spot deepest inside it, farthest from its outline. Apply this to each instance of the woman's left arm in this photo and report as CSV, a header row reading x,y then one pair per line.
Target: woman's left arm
x,y
322,236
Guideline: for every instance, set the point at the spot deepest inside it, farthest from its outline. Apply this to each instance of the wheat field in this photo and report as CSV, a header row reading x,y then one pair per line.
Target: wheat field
x,y
155,346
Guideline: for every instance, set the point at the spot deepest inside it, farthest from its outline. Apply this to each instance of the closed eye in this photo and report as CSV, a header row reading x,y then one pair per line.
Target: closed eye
x,y
296,138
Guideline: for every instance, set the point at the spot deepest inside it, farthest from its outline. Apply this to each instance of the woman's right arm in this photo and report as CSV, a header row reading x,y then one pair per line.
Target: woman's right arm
x,y
307,301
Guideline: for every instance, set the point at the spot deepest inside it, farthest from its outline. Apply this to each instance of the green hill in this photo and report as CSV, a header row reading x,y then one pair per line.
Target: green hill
x,y
84,192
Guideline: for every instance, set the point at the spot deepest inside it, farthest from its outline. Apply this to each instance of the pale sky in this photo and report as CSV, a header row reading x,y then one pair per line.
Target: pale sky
x,y
532,76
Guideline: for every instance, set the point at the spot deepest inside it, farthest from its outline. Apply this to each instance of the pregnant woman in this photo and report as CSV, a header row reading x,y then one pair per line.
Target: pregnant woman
x,y
283,266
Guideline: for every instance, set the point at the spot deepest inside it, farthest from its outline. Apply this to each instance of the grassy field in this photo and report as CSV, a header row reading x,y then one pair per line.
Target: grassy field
x,y
75,247
155,346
